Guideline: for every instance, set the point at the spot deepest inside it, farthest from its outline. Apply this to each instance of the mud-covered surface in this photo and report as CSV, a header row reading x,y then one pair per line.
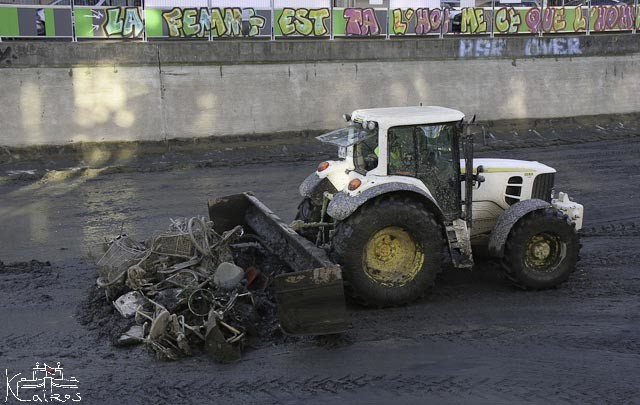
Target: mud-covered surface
x,y
475,339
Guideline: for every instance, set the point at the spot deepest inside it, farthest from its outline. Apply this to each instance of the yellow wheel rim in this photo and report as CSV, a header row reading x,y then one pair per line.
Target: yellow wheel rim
x,y
544,252
392,257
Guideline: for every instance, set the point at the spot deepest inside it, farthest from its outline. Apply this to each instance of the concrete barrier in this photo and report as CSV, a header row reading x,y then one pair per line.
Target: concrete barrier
x,y
56,93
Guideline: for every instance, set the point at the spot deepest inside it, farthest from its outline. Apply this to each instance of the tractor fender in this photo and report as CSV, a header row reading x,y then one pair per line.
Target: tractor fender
x,y
506,221
314,186
343,205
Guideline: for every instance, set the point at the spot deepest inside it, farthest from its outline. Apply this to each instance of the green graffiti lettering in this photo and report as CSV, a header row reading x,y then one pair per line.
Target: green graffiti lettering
x,y
303,24
256,23
233,21
217,23
559,20
133,25
318,16
508,20
502,21
173,19
400,20
515,19
114,24
187,22
204,21
579,20
285,22
473,20
303,21
190,26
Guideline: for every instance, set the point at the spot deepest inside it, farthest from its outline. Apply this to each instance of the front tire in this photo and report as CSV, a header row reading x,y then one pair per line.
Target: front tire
x,y
390,250
541,250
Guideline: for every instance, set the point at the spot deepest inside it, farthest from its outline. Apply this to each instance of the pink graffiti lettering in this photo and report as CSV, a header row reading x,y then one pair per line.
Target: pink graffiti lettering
x,y
428,20
626,18
533,19
612,17
361,21
553,19
446,20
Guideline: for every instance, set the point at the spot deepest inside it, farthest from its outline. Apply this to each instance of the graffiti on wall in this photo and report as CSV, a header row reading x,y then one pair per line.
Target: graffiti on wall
x,y
474,20
533,20
487,48
202,22
302,22
419,21
606,18
187,22
109,22
552,47
7,56
235,22
360,22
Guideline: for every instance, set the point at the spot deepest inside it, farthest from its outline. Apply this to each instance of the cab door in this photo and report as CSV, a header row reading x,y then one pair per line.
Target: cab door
x,y
429,153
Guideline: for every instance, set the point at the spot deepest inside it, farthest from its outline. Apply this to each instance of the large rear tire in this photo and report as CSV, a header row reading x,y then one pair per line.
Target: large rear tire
x,y
542,250
390,251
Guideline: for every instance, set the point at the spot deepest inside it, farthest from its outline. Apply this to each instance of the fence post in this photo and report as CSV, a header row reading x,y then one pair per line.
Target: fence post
x,y
74,38
331,19
273,14
589,17
635,16
144,13
388,34
493,18
210,9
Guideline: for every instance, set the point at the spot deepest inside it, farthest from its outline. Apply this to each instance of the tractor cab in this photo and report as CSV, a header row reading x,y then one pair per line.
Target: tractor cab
x,y
417,142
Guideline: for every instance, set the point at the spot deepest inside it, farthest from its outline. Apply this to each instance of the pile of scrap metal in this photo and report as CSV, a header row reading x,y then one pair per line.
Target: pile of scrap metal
x,y
184,290
218,283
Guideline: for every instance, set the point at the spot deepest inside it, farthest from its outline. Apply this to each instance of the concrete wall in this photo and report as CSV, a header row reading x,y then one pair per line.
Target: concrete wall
x,y
55,93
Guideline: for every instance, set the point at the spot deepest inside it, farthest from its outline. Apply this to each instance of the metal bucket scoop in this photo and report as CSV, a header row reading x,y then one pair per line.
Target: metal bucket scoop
x,y
311,297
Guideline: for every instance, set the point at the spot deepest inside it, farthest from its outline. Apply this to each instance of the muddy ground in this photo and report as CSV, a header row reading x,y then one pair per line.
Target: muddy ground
x,y
475,339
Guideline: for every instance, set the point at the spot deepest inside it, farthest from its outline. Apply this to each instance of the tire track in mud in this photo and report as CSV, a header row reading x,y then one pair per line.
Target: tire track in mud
x,y
417,386
612,229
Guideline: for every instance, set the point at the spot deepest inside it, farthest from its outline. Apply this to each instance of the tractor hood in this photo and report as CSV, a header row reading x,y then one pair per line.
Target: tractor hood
x,y
509,166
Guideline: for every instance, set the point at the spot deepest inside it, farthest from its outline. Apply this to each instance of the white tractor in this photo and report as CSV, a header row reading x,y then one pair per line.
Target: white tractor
x,y
407,193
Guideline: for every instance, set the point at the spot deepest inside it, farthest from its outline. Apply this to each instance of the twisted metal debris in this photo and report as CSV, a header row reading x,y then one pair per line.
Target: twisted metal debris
x,y
183,289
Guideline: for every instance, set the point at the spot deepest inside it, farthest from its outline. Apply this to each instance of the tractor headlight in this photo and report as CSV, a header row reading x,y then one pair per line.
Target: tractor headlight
x,y
371,125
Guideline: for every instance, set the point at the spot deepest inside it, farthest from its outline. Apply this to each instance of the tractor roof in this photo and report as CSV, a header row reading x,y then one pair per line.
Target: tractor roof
x,y
395,116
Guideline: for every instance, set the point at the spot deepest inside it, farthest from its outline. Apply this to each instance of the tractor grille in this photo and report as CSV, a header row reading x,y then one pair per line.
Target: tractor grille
x,y
542,186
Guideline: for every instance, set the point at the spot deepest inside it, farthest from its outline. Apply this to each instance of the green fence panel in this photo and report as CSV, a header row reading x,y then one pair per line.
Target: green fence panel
x,y
9,22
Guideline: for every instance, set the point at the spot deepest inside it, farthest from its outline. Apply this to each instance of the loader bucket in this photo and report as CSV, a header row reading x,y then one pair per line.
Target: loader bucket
x,y
311,297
